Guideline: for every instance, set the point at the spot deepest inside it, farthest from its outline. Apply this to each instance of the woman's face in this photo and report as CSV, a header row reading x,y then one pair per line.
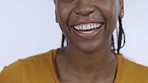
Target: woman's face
x,y
88,24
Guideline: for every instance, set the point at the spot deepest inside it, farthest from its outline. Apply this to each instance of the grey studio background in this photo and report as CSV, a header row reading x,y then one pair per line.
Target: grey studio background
x,y
28,27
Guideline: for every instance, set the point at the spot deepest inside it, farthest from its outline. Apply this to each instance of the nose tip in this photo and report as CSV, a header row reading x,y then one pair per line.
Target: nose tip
x,y
84,9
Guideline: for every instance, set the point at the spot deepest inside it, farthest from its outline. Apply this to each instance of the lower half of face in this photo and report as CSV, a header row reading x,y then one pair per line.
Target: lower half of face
x,y
88,30
92,39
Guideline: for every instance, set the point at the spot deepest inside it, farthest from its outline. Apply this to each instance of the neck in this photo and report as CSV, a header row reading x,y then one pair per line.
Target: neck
x,y
90,62
80,63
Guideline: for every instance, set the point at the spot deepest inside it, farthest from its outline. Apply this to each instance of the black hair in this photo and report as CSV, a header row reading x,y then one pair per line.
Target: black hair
x,y
120,38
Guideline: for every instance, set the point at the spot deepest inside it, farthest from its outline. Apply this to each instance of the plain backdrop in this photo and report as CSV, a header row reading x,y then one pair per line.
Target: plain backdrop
x,y
28,27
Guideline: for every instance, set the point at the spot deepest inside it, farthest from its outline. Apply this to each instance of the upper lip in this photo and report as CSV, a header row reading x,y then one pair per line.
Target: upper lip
x,y
85,22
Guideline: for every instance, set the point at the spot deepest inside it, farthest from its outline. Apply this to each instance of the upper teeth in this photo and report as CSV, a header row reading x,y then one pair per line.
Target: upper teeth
x,y
87,26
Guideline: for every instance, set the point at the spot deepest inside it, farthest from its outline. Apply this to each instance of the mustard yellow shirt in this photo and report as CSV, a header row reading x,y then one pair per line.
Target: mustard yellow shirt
x,y
41,69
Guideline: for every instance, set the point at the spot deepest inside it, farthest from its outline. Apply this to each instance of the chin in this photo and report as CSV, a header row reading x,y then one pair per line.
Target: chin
x,y
90,47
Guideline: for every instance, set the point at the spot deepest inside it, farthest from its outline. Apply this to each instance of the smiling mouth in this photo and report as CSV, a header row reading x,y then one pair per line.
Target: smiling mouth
x,y
87,27
88,30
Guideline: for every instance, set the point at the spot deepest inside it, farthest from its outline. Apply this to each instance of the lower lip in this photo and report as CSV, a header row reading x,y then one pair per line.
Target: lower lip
x,y
89,34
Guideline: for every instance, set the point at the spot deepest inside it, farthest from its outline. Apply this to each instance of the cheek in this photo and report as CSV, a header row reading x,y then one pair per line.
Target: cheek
x,y
62,17
110,13
63,11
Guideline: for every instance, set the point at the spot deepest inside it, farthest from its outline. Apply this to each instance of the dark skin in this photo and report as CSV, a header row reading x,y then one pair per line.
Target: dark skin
x,y
87,58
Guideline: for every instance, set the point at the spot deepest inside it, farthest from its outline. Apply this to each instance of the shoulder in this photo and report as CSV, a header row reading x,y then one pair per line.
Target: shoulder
x,y
135,67
29,67
134,72
41,57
